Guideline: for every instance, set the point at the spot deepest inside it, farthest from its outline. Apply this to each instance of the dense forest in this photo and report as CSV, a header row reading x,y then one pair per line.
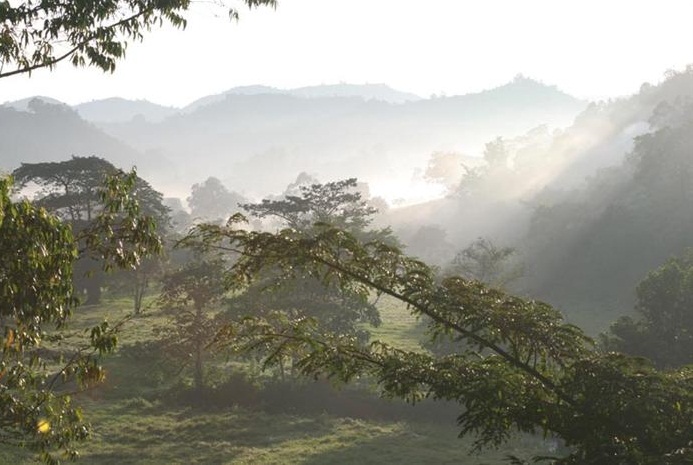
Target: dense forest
x,y
250,293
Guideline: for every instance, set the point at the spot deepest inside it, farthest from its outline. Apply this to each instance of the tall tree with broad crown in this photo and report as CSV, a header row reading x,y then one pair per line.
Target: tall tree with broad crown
x,y
72,190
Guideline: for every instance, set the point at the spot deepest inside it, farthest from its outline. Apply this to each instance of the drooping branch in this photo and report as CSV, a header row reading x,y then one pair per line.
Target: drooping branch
x,y
259,250
32,34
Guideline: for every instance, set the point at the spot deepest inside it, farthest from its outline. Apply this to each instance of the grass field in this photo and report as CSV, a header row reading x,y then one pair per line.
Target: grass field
x,y
134,423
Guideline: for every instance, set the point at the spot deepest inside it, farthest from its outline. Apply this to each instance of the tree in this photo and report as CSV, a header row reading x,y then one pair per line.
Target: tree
x,y
39,252
41,34
212,201
337,203
190,294
302,294
525,370
496,153
484,261
664,331
72,190
445,168
136,282
430,243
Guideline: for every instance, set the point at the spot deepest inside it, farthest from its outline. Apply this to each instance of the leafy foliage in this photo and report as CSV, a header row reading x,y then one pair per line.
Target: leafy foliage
x,y
488,263
336,203
74,190
524,370
189,293
664,331
36,291
212,201
302,294
38,34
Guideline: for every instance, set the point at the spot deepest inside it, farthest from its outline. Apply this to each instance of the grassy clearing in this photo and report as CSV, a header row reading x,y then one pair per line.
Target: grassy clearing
x,y
135,422
160,435
138,432
399,327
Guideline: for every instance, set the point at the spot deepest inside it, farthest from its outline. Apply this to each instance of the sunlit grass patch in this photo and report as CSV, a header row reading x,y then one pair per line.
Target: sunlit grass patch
x,y
399,327
138,420
126,434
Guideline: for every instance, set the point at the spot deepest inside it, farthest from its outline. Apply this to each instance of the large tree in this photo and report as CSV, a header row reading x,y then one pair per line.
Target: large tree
x,y
71,190
190,294
664,330
338,203
39,252
38,34
302,294
484,261
212,201
523,369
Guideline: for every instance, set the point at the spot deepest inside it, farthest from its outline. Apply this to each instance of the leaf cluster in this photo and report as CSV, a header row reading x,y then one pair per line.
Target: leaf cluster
x,y
663,331
39,251
523,369
36,34
336,203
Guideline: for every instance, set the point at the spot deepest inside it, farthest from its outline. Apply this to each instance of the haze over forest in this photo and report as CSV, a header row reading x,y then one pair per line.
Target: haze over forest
x,y
275,271
430,161
382,136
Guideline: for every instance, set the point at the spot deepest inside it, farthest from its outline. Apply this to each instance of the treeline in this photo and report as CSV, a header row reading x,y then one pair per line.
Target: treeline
x,y
297,300
588,210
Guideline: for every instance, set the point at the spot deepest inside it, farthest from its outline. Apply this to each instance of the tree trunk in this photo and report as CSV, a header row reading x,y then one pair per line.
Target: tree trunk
x,y
140,287
198,374
92,285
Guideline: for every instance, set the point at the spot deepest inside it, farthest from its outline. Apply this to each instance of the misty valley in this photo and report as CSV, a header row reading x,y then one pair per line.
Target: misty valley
x,y
338,274
592,216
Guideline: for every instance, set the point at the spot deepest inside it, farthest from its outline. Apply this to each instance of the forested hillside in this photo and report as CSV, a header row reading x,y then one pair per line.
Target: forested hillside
x,y
344,273
590,209
44,131
321,130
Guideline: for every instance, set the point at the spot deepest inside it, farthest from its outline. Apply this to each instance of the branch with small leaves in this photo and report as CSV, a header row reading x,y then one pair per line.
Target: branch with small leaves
x,y
41,34
523,369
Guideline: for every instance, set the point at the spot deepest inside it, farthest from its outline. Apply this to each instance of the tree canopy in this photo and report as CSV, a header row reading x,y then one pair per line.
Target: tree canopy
x,y
36,291
484,261
337,203
302,294
72,190
39,34
664,330
190,293
212,201
524,369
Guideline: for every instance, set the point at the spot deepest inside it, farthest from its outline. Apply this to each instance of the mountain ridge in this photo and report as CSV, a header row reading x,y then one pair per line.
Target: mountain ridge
x,y
122,110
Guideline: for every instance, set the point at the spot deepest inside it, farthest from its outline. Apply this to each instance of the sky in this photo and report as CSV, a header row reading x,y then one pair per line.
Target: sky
x,y
590,49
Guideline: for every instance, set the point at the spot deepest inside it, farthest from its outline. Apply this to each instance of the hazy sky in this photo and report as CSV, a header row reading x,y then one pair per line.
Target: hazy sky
x,y
591,49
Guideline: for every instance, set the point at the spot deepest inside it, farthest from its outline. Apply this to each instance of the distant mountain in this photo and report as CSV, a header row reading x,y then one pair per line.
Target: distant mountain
x,y
119,110
258,139
591,207
244,90
379,92
23,104
50,132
